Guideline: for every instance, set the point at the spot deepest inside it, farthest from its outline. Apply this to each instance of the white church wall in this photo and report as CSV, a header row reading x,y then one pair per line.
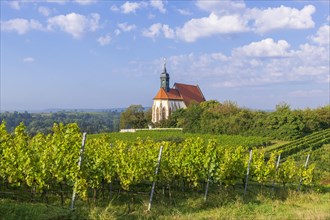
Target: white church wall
x,y
161,109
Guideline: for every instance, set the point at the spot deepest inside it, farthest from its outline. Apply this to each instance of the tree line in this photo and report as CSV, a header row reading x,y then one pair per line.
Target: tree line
x,y
96,122
214,117
209,117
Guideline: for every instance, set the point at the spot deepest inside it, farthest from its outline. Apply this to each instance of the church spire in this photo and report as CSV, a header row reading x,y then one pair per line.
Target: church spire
x,y
165,79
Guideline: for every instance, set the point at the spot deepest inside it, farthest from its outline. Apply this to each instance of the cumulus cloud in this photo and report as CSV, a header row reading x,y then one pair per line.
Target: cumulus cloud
x,y
28,59
246,66
265,48
75,24
322,35
21,26
281,18
131,7
104,40
156,29
153,31
208,26
229,17
168,32
158,4
126,27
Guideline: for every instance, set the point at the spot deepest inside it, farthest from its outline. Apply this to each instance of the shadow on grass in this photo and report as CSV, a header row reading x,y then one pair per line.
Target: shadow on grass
x,y
166,203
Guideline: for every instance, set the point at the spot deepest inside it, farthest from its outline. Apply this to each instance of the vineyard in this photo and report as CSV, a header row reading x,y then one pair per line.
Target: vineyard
x,y
179,136
305,144
43,164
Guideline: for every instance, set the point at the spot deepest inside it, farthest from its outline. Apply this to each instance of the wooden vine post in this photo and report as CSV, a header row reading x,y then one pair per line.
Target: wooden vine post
x,y
305,167
154,183
276,168
79,165
247,172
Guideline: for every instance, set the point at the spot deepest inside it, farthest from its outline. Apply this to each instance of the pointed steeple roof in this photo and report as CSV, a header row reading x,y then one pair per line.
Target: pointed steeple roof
x,y
164,65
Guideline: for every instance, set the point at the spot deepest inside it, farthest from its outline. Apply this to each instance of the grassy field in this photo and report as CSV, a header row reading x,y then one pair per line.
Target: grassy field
x,y
223,204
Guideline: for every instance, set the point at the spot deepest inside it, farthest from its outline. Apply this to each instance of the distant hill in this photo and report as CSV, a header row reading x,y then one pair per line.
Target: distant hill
x,y
85,110
53,110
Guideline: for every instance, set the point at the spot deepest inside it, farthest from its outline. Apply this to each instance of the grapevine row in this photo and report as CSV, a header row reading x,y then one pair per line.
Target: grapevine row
x,y
42,161
310,142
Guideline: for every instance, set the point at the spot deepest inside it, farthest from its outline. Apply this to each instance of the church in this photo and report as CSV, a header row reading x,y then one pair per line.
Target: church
x,y
169,99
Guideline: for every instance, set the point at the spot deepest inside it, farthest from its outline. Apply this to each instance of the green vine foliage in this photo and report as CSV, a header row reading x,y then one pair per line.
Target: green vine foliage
x,y
40,162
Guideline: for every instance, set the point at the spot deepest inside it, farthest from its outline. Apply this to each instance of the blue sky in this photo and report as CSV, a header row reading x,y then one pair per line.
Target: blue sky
x,y
109,54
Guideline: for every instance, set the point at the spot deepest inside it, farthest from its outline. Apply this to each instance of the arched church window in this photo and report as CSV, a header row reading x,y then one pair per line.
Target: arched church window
x,y
157,114
163,113
176,106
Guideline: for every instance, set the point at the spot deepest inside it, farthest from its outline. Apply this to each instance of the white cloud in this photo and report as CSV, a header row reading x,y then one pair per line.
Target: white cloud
x,y
183,11
281,18
221,7
28,60
126,27
153,31
264,48
156,29
75,24
168,32
208,26
104,40
247,66
114,8
322,36
131,7
44,11
21,26
158,4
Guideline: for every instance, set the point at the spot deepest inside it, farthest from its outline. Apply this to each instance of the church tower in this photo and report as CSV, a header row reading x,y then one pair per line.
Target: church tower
x,y
165,79
169,99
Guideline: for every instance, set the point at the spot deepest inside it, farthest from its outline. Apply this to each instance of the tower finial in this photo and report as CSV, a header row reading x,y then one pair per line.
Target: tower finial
x,y
164,65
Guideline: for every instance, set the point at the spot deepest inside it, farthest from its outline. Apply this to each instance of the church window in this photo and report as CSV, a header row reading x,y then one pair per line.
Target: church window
x,y
157,114
163,113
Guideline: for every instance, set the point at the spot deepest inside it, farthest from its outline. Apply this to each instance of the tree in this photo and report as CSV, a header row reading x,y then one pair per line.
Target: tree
x,y
133,117
192,117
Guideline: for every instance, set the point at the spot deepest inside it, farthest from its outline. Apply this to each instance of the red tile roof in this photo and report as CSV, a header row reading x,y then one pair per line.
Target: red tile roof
x,y
189,93
184,92
173,94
